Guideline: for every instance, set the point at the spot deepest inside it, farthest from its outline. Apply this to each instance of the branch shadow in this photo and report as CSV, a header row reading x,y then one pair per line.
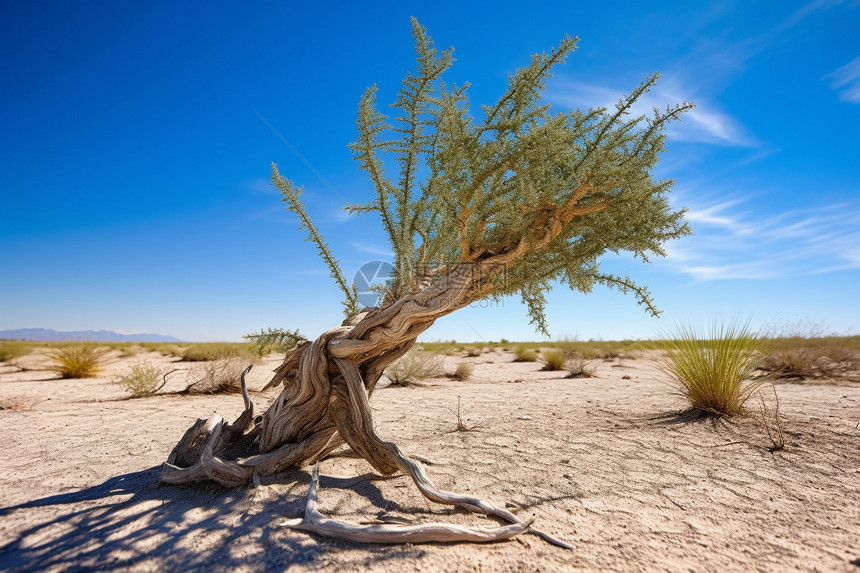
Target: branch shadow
x,y
131,521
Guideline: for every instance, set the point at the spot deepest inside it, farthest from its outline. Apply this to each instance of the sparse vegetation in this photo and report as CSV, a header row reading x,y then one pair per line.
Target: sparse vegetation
x,y
461,426
415,365
713,370
211,351
143,380
578,367
525,354
553,359
163,348
811,357
11,349
772,422
463,371
217,376
77,360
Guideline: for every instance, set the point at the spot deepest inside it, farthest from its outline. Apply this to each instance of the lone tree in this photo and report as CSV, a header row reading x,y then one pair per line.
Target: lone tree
x,y
502,202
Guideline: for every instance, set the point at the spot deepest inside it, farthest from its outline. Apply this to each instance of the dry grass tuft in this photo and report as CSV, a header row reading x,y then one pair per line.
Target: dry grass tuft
x,y
713,370
78,360
415,365
463,371
553,359
578,367
525,354
217,376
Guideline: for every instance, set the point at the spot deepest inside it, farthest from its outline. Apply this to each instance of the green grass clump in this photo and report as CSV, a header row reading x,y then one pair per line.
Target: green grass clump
x,y
78,360
525,354
553,359
142,380
712,370
415,365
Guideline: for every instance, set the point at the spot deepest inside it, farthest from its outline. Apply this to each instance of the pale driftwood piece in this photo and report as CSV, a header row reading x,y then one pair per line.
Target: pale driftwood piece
x,y
248,404
316,522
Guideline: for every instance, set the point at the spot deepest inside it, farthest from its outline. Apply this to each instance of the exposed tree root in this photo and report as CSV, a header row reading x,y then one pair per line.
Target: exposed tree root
x,y
324,403
316,522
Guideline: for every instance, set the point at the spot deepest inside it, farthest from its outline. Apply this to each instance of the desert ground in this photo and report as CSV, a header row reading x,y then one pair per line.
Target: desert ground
x,y
612,464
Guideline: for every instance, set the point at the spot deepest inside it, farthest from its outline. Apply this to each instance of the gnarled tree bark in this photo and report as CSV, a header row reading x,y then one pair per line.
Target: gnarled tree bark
x,y
324,403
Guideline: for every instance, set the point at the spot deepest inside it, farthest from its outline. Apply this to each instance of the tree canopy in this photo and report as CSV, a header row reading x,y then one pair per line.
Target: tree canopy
x,y
531,194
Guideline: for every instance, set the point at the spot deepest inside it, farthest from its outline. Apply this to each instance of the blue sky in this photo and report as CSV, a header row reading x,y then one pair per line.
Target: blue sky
x,y
136,142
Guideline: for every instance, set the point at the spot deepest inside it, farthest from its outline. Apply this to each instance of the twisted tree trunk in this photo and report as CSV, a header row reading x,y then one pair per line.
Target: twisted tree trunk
x,y
324,403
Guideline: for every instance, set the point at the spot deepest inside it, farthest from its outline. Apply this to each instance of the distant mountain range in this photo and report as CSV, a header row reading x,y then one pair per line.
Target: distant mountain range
x,y
48,335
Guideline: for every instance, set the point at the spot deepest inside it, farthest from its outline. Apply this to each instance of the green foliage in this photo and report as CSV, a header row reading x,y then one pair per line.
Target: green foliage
x,y
553,359
78,360
528,195
142,380
274,340
713,370
291,195
415,365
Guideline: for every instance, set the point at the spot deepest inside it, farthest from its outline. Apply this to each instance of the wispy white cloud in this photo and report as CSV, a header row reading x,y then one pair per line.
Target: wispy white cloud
x,y
704,124
734,244
847,81
372,249
808,9
261,186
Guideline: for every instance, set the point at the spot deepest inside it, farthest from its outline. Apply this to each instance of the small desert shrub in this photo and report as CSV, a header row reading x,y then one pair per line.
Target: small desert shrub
x,y
578,367
142,380
553,359
79,360
415,365
713,370
463,371
216,376
525,354
472,351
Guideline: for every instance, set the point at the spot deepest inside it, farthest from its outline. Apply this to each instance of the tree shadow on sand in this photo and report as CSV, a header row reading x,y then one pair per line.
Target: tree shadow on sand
x,y
132,521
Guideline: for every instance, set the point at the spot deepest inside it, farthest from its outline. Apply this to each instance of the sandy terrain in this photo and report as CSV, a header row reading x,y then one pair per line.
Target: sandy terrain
x,y
610,464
